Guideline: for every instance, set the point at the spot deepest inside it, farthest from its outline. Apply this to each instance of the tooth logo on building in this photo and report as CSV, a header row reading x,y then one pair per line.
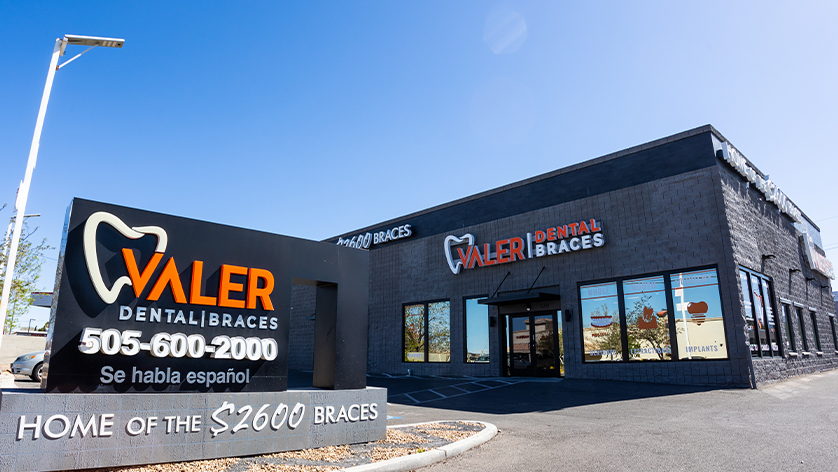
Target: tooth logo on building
x,y
571,237
259,285
454,241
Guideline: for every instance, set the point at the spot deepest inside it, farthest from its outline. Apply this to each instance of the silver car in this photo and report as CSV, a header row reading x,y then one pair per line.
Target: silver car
x,y
29,364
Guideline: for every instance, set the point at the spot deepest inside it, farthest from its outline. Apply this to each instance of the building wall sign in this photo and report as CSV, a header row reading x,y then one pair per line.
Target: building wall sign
x,y
765,185
155,303
367,240
817,262
462,252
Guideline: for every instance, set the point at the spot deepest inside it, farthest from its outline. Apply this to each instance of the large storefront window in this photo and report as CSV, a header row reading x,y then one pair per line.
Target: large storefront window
x,y
647,320
477,331
762,328
601,322
650,318
698,315
427,332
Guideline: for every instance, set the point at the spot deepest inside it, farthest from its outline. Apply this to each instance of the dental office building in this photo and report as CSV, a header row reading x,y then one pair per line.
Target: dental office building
x,y
677,261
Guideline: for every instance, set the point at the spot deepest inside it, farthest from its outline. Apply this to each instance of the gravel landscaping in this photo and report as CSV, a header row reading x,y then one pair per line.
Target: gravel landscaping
x,y
400,441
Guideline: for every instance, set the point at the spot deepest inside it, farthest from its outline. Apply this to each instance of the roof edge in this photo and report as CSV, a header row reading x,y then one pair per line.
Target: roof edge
x,y
573,167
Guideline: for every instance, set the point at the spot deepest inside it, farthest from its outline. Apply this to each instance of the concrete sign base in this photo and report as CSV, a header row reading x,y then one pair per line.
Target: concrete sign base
x,y
55,431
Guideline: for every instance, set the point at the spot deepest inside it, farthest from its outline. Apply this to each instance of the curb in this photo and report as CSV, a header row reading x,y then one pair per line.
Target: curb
x,y
415,461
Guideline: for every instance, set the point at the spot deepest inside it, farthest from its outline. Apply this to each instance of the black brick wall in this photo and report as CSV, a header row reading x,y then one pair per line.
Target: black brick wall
x,y
665,206
757,228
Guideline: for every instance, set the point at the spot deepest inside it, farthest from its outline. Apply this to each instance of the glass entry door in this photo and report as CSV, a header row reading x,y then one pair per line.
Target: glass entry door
x,y
533,349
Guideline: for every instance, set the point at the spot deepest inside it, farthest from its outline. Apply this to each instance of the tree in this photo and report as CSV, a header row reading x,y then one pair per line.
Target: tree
x,y
30,253
610,340
654,331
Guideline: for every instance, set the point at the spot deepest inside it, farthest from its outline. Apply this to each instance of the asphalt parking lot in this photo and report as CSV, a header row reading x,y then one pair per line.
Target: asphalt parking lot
x,y
587,425
584,425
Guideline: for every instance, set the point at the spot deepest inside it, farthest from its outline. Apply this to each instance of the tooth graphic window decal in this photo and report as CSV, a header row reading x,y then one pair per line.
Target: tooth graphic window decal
x,y
452,240
109,295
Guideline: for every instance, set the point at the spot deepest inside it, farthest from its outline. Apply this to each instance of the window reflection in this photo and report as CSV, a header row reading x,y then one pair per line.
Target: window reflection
x,y
414,333
601,322
477,331
439,332
647,320
698,315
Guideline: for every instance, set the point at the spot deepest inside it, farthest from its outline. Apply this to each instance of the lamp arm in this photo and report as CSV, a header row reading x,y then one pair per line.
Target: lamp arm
x,y
73,58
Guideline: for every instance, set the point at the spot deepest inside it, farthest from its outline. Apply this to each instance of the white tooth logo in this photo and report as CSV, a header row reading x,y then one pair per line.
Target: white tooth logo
x,y
109,295
452,240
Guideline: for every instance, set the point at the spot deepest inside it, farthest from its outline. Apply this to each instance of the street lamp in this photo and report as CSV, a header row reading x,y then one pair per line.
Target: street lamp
x,y
23,191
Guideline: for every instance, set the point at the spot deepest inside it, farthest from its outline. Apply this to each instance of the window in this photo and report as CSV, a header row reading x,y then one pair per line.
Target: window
x,y
834,334
427,332
788,334
649,318
815,330
749,313
757,302
698,315
601,334
477,331
802,328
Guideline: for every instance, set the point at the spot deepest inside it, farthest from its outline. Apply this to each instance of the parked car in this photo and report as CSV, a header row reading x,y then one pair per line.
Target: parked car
x,y
31,364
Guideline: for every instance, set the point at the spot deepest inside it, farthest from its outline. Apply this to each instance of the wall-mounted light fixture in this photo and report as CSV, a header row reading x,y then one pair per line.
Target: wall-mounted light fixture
x,y
809,279
791,271
768,256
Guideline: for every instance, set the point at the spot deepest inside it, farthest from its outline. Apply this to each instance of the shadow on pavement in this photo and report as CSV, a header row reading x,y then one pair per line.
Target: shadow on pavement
x,y
518,396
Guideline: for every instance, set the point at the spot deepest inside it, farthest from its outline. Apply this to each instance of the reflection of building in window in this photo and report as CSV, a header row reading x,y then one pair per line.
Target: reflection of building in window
x,y
601,327
647,320
427,332
642,331
699,325
521,355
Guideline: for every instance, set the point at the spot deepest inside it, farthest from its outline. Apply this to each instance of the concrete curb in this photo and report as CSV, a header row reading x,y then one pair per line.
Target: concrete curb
x,y
415,461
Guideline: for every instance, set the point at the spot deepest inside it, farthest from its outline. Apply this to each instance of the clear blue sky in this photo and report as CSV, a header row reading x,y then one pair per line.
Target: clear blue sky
x,y
315,118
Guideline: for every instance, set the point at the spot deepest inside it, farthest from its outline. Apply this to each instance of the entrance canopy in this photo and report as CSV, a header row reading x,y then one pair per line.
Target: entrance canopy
x,y
513,298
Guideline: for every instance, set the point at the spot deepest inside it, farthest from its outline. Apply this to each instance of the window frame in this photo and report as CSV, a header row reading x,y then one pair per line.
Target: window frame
x,y
465,330
787,326
764,316
426,333
813,316
673,343
802,328
834,333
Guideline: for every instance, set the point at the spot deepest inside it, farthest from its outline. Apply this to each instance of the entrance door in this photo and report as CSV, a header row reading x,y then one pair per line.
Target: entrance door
x,y
533,349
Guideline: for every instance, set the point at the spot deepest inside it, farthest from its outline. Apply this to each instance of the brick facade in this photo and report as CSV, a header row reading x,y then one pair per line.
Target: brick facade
x,y
663,206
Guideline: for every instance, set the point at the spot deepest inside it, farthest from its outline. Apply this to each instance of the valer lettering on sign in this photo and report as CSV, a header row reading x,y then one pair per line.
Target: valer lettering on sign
x,y
571,237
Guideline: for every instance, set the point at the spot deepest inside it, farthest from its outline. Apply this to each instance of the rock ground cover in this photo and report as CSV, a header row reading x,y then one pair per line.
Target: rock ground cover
x,y
400,441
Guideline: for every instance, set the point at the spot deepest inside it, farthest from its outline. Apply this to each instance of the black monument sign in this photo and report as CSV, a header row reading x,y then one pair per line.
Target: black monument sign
x,y
147,302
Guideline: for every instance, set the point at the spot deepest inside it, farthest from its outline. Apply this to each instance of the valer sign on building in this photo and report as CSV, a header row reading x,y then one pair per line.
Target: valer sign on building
x,y
197,314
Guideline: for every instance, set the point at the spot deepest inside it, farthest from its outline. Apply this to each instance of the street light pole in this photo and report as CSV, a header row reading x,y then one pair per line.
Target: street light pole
x,y
23,192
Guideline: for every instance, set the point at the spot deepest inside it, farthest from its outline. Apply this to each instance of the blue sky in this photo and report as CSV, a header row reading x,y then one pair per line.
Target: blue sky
x,y
316,118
